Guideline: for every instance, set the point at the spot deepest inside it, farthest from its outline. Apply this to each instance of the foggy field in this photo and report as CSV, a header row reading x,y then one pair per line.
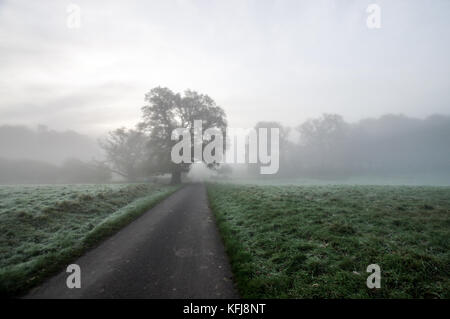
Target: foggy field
x,y
227,150
317,241
44,227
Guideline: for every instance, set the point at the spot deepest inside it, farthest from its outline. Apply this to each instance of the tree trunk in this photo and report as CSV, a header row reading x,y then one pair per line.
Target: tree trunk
x,y
176,178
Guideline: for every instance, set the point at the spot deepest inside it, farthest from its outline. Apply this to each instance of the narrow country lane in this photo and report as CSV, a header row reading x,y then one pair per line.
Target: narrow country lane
x,y
172,251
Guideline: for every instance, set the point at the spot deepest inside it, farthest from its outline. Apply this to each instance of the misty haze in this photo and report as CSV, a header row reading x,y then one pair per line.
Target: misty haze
x,y
96,96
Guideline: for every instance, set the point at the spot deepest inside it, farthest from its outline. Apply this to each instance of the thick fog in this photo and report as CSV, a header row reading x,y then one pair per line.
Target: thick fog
x,y
392,149
285,61
42,155
71,74
45,145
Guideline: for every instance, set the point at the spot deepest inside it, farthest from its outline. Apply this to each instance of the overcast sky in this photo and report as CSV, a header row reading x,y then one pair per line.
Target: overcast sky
x,y
260,59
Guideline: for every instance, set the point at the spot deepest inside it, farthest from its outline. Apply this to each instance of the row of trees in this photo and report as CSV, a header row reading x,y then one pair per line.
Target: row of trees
x,y
391,145
327,146
40,156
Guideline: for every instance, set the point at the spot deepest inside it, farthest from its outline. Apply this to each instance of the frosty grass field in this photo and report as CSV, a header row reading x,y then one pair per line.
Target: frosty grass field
x,y
42,228
317,241
283,241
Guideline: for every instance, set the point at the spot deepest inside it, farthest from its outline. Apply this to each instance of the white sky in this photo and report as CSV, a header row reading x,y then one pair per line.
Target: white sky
x,y
259,59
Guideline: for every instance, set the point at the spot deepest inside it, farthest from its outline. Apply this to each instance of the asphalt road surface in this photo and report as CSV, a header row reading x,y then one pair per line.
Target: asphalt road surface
x,y
172,251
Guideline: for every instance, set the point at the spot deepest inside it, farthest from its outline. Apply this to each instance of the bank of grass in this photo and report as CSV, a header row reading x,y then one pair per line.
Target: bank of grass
x,y
43,228
317,241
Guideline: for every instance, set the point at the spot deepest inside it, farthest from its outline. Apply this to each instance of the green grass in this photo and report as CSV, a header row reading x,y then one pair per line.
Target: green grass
x,y
317,241
42,228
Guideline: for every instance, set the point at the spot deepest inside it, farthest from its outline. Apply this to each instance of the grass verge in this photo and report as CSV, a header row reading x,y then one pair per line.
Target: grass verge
x,y
317,241
45,228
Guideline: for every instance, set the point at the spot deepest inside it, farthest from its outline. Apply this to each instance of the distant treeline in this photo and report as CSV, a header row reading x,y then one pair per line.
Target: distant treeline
x,y
327,147
392,145
45,145
35,172
48,156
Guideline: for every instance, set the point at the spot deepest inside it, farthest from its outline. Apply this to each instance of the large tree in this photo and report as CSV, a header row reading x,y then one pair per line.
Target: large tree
x,y
166,111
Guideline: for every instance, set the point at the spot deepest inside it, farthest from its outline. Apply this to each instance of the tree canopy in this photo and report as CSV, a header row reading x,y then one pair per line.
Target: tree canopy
x,y
166,111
